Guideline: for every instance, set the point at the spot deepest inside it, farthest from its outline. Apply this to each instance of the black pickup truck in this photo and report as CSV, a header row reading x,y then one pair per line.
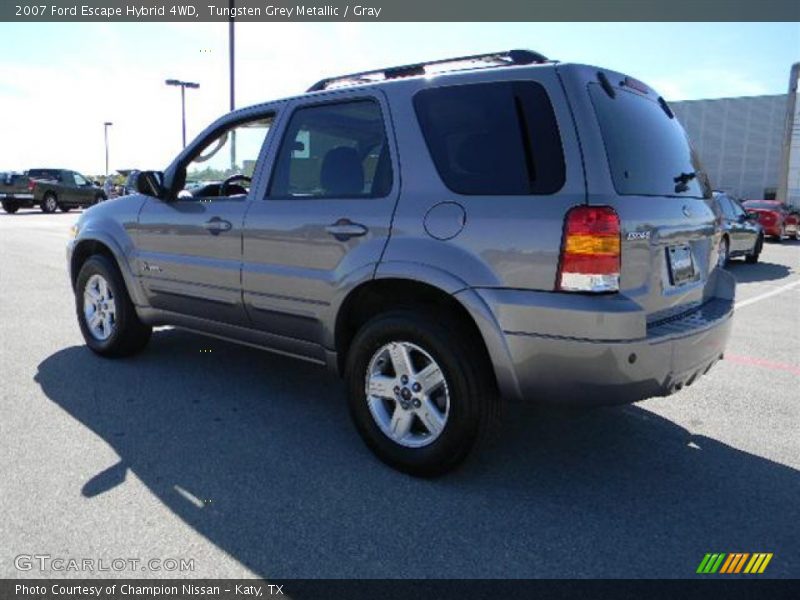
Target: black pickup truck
x,y
50,189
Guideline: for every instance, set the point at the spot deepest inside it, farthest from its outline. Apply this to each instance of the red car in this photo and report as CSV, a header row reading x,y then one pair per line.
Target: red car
x,y
777,219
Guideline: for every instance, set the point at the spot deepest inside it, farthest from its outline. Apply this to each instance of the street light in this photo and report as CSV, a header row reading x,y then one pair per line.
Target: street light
x,y
232,67
183,85
106,125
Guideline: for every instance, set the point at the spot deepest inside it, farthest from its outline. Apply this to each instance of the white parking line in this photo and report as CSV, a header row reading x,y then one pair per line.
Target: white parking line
x,y
766,295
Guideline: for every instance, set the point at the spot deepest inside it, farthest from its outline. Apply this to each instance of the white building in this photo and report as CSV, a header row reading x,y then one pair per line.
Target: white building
x,y
750,146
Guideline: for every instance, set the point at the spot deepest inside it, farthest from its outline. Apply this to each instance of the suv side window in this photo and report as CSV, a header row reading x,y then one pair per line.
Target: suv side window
x,y
79,179
336,150
497,138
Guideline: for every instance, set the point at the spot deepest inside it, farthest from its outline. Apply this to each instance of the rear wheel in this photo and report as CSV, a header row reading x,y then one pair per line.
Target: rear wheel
x,y
752,258
49,203
419,391
10,207
106,315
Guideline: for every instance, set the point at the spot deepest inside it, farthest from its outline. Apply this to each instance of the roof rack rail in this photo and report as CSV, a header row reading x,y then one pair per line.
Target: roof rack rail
x,y
475,61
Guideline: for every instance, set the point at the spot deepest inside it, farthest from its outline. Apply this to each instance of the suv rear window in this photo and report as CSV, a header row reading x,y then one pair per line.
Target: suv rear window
x,y
648,151
497,138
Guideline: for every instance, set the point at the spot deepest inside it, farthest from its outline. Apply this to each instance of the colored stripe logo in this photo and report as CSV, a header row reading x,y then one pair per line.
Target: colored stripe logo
x,y
736,562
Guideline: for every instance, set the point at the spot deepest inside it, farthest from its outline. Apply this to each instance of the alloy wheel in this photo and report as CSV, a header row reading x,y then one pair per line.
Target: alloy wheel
x,y
407,394
99,308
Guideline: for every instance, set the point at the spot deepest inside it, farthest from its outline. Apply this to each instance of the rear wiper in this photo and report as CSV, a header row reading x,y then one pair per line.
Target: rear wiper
x,y
682,180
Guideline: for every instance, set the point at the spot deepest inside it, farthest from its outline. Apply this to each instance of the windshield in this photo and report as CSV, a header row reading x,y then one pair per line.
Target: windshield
x,y
648,151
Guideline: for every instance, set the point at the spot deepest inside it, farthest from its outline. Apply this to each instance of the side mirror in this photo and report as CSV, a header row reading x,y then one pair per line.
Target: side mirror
x,y
149,183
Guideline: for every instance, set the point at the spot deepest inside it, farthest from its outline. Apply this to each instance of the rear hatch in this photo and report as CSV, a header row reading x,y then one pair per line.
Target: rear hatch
x,y
669,229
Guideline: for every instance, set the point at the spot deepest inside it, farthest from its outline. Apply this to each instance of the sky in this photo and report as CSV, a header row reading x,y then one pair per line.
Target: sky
x,y
60,82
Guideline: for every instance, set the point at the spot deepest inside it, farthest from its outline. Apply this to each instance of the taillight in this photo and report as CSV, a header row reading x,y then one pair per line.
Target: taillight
x,y
590,250
31,184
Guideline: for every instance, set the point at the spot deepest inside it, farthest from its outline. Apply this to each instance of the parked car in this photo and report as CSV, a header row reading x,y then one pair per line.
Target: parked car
x,y
742,234
776,218
792,221
50,189
16,190
517,260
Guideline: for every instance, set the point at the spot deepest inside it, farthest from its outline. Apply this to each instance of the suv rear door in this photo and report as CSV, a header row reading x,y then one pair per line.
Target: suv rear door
x,y
639,161
324,214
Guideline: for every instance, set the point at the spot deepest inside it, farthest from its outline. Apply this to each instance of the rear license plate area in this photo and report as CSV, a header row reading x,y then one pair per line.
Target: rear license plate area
x,y
681,265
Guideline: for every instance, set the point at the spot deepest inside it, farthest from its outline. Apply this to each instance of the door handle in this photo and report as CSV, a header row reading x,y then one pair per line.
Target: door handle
x,y
344,229
216,226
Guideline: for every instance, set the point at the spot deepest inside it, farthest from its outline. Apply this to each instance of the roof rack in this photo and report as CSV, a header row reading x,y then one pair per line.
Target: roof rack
x,y
475,61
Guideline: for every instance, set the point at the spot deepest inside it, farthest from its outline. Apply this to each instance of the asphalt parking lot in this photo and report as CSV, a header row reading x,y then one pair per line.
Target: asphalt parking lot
x,y
247,462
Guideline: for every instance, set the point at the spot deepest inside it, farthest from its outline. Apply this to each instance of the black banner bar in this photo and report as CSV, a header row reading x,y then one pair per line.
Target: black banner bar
x,y
397,11
730,588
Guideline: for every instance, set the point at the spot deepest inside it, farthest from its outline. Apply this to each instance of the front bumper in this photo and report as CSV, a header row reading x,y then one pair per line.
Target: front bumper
x,y
577,370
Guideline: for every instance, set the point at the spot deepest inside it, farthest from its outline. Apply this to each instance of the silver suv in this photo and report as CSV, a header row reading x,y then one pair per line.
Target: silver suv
x,y
443,235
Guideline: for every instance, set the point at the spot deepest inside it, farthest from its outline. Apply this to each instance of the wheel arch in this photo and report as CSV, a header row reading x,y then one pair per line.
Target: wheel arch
x,y
91,246
440,293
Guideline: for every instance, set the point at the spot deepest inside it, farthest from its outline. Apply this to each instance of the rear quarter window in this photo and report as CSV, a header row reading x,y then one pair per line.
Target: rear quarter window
x,y
648,151
498,138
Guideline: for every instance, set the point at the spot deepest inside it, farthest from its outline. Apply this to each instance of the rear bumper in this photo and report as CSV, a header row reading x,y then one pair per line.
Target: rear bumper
x,y
602,370
15,197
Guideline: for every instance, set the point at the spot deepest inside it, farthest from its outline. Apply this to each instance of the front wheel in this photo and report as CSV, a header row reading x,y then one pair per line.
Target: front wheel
x,y
724,253
419,391
106,315
752,258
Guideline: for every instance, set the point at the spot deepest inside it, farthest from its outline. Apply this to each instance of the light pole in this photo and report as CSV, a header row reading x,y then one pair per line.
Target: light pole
x,y
106,125
232,66
183,85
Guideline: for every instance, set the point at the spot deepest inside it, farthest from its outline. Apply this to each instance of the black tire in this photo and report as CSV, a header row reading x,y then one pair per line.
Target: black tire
x,y
49,203
724,246
753,258
129,335
63,208
10,207
473,396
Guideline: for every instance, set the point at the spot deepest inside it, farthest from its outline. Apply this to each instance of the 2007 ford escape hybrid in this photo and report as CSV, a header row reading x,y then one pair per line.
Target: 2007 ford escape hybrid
x,y
442,234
